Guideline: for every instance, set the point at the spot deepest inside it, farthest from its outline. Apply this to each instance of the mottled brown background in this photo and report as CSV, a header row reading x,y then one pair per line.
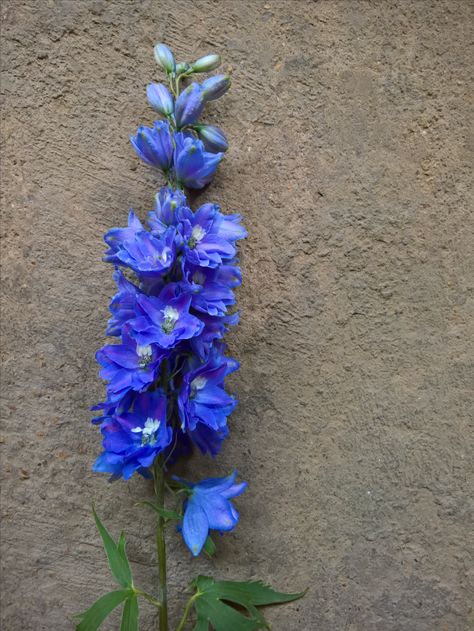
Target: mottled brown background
x,y
350,160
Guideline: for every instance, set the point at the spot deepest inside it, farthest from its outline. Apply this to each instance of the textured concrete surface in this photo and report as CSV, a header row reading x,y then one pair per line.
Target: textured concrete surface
x,y
350,160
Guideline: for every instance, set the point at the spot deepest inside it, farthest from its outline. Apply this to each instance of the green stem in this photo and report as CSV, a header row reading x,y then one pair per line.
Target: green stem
x,y
160,544
148,597
186,612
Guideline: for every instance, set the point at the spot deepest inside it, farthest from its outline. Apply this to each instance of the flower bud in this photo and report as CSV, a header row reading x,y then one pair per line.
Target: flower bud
x,y
189,105
215,87
160,98
182,67
212,137
207,63
164,58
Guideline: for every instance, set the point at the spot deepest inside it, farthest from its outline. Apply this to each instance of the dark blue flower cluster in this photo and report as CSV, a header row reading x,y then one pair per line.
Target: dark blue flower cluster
x,y
170,323
165,375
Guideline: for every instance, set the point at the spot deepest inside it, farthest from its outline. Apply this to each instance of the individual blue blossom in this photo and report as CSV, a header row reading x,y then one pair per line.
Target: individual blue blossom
x,y
154,145
210,289
202,399
160,98
123,304
193,165
165,320
208,507
209,235
215,87
167,201
133,439
189,105
128,366
139,250
212,137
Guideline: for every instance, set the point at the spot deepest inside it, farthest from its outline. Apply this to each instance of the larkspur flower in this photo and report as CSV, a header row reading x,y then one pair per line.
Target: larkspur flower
x,y
193,165
129,365
202,400
167,202
209,236
154,145
165,322
212,137
211,289
138,249
208,507
123,304
160,98
133,439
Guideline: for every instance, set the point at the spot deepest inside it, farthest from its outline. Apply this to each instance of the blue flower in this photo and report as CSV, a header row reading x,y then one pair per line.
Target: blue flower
x,y
209,236
167,202
202,400
123,304
208,507
128,366
133,439
194,167
214,329
154,145
189,105
211,289
136,248
165,320
215,87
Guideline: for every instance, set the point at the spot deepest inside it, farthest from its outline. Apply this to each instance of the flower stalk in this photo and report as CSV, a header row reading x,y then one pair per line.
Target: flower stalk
x,y
159,484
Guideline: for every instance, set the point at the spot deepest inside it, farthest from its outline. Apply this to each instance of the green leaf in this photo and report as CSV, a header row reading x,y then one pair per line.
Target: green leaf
x,y
118,562
210,547
91,619
215,604
130,615
166,514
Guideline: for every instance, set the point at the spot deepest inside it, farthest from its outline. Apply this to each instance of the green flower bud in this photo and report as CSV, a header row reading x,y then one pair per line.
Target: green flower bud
x,y
164,58
207,63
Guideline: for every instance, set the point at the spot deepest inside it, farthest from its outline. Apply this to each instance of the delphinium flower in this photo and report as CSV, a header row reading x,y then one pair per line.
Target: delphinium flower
x,y
166,366
208,507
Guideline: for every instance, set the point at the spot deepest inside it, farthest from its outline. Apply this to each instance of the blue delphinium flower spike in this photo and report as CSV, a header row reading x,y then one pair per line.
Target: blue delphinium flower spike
x,y
208,507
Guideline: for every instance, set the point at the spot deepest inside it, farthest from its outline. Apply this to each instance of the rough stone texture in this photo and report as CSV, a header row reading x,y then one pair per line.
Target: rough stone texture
x,y
350,160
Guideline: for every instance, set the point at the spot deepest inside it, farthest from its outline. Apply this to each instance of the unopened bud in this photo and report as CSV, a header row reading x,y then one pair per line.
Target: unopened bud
x,y
207,63
212,137
215,87
164,58
160,98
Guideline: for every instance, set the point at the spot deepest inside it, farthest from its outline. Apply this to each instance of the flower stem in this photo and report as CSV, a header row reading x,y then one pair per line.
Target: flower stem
x,y
160,544
187,609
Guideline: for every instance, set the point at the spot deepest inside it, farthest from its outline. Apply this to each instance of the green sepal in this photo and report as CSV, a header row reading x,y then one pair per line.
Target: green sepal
x,y
163,512
215,603
116,554
210,547
91,619
130,615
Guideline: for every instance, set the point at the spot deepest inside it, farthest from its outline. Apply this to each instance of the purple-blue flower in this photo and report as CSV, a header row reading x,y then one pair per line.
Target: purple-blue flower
x,y
133,439
167,203
154,145
123,304
128,366
165,321
135,247
212,137
203,401
193,165
211,288
209,236
208,507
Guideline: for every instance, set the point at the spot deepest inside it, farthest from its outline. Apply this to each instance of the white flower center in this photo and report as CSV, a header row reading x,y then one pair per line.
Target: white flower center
x,y
197,235
149,431
145,354
171,316
197,384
